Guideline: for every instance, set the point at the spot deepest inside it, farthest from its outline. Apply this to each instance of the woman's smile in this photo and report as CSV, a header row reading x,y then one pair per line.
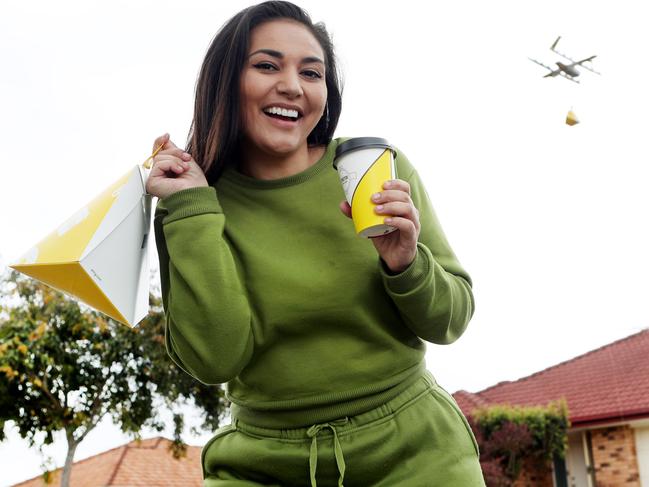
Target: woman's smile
x,y
283,115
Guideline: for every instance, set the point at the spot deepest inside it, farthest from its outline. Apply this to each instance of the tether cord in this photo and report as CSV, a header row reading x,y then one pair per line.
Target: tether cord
x,y
312,433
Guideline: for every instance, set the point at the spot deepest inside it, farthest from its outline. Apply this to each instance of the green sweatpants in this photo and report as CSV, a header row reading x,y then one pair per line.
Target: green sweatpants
x,y
418,439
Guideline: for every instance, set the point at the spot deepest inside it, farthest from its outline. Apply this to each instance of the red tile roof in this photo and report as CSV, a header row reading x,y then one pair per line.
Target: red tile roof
x,y
139,463
610,383
468,401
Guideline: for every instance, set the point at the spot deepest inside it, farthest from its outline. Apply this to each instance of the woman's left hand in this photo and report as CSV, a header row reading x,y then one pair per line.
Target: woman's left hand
x,y
399,248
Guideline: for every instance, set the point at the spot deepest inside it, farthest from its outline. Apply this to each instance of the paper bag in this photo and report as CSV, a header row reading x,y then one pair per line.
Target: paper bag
x,y
100,255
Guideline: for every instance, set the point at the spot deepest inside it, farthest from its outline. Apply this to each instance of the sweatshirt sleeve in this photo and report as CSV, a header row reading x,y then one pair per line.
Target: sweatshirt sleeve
x,y
208,319
433,294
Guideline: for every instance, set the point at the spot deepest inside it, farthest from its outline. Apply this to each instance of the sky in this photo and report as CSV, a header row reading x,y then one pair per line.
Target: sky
x,y
548,219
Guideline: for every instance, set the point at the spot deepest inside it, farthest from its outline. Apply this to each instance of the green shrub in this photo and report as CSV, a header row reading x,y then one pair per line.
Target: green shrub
x,y
507,435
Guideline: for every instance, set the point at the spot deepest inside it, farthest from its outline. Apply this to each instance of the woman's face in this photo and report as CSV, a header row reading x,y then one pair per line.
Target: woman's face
x,y
282,86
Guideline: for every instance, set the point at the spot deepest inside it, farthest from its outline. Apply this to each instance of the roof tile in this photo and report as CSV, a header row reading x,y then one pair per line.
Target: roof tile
x,y
139,463
609,383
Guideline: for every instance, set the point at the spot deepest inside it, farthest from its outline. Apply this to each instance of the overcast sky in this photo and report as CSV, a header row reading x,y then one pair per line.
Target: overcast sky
x,y
549,220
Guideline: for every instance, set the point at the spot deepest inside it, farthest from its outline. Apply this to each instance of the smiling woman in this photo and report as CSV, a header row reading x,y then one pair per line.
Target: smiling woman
x,y
318,334
249,55
283,95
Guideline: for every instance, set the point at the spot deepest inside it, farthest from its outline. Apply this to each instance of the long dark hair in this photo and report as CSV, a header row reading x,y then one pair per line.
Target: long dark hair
x,y
215,132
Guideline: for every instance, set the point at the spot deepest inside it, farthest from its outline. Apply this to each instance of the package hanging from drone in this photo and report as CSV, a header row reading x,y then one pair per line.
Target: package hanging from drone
x,y
100,255
571,118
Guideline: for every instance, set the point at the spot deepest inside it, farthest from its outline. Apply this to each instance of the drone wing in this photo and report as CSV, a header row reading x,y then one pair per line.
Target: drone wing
x,y
541,64
574,63
580,63
554,44
553,48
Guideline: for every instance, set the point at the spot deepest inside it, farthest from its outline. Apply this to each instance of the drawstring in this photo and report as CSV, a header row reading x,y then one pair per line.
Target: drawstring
x,y
312,433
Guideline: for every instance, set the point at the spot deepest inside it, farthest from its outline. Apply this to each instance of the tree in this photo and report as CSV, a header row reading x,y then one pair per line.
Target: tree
x,y
64,368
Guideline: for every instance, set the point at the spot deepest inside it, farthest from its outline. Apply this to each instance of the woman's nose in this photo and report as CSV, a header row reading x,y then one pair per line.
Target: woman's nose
x,y
290,85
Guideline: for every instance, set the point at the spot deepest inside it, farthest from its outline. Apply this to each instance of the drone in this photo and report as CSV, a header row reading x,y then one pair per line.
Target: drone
x,y
568,71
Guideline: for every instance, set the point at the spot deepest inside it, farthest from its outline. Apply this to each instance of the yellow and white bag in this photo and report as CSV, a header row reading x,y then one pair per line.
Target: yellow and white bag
x,y
100,254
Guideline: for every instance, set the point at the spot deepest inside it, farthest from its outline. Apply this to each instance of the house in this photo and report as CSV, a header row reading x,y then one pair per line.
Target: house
x,y
139,463
607,392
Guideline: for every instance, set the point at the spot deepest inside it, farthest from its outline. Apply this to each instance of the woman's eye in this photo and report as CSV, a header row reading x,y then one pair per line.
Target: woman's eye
x,y
264,66
309,73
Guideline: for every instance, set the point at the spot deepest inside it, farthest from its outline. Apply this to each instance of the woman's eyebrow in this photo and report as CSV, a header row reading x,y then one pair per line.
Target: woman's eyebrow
x,y
279,55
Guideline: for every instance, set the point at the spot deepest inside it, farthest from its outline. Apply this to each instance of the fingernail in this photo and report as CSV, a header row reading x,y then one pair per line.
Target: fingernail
x,y
379,208
387,184
387,220
376,196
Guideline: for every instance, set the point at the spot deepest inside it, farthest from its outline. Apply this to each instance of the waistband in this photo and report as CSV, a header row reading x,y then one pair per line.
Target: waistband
x,y
423,382
278,424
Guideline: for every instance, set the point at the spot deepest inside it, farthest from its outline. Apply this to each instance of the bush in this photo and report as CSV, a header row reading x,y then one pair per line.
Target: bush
x,y
508,435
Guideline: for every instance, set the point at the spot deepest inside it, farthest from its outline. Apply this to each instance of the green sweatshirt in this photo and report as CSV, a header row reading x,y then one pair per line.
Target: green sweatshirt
x,y
266,286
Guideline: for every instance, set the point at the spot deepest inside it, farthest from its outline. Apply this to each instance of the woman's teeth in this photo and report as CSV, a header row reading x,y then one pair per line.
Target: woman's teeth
x,y
282,111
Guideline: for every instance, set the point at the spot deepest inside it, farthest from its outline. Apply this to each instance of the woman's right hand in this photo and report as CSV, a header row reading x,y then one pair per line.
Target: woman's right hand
x,y
173,170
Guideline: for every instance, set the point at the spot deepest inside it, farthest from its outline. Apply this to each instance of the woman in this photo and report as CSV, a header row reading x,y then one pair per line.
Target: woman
x,y
266,287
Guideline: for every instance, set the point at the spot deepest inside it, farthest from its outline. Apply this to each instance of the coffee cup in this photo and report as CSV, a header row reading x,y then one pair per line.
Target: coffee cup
x,y
363,165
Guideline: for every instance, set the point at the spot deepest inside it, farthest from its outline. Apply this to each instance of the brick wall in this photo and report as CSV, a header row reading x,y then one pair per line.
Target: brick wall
x,y
534,474
614,457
